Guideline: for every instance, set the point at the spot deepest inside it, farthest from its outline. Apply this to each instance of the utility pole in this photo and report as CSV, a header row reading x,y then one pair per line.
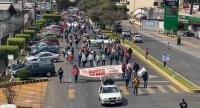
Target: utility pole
x,y
22,16
35,11
45,6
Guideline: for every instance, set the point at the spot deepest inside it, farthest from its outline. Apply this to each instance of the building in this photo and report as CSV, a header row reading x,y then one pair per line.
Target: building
x,y
133,5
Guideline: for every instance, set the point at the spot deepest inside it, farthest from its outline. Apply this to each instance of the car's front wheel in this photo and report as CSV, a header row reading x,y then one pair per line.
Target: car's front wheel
x,y
48,74
54,60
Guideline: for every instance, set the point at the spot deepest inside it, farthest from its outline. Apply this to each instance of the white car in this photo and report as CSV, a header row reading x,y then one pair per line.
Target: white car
x,y
138,38
44,56
110,94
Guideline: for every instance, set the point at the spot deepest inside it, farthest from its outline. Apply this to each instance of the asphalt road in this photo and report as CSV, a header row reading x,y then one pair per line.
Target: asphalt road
x,y
160,93
181,62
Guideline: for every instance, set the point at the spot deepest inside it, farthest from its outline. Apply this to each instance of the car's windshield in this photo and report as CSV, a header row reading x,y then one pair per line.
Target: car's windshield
x,y
110,90
37,55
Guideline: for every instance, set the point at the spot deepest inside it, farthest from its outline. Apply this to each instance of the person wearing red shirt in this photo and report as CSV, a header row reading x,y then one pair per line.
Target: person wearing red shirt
x,y
75,73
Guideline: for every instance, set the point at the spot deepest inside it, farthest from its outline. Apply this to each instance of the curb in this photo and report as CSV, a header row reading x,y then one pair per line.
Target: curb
x,y
23,82
160,70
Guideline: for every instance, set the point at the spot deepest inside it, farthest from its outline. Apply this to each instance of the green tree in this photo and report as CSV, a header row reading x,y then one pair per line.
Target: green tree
x,y
104,12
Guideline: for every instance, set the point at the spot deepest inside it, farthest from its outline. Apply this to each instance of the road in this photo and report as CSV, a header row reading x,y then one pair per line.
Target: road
x,y
183,63
159,94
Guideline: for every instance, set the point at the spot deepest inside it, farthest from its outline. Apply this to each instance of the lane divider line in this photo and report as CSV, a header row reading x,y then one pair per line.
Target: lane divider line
x,y
71,93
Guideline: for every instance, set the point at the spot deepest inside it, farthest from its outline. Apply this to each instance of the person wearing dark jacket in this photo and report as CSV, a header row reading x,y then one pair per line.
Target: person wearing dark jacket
x,y
183,104
145,77
136,67
130,51
60,74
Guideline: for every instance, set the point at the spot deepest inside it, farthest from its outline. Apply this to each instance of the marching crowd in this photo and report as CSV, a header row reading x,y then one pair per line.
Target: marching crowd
x,y
88,56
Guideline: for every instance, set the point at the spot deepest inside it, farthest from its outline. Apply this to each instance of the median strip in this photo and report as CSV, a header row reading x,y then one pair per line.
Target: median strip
x,y
173,76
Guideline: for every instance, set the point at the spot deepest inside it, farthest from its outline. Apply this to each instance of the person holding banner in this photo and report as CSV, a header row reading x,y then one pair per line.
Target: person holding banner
x,y
75,73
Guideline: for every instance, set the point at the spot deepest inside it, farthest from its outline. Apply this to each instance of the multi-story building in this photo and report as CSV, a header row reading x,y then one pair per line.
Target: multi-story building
x,y
133,5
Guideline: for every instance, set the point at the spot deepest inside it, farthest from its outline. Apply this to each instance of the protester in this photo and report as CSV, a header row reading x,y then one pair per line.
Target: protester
x,y
127,78
84,59
111,58
79,58
183,104
145,77
146,52
103,59
165,58
91,59
122,55
123,70
60,74
75,72
135,83
98,59
136,67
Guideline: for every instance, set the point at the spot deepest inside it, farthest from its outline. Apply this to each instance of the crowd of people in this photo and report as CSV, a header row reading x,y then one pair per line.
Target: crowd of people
x,y
81,31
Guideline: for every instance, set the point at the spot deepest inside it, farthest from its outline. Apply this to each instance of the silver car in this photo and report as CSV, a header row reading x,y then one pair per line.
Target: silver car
x,y
137,38
44,56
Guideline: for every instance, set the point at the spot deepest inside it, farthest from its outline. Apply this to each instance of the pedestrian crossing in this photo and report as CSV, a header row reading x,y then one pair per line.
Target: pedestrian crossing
x,y
150,90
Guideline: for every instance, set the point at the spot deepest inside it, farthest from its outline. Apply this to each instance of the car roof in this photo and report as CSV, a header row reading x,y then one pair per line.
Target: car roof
x,y
109,85
137,35
45,52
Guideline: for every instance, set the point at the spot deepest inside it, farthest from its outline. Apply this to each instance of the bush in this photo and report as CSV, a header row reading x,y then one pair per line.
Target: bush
x,y
40,25
20,42
26,36
23,74
6,49
5,78
30,32
43,21
52,17
37,29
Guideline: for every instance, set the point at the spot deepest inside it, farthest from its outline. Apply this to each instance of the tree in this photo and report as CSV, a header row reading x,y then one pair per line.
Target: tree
x,y
10,92
104,12
64,4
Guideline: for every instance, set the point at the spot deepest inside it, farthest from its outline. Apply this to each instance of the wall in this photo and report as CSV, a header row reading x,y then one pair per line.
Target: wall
x,y
135,4
152,25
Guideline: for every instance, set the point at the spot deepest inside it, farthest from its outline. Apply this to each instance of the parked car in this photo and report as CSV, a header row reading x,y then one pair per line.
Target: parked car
x,y
37,68
48,41
48,56
137,38
110,94
188,34
53,49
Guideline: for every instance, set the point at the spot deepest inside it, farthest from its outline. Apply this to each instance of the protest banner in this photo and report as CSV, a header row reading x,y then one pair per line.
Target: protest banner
x,y
101,71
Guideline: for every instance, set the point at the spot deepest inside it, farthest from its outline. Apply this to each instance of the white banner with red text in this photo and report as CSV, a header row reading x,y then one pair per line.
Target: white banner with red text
x,y
101,71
